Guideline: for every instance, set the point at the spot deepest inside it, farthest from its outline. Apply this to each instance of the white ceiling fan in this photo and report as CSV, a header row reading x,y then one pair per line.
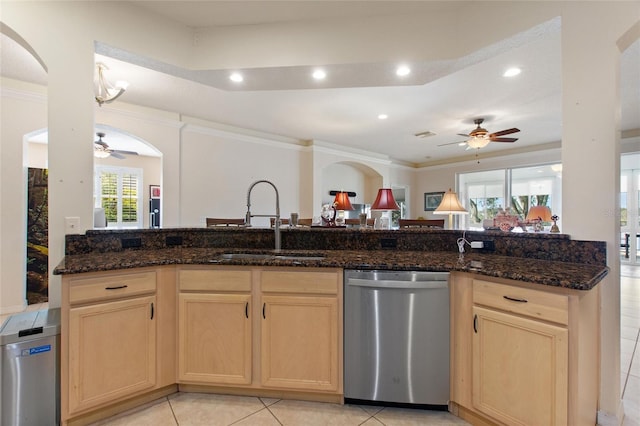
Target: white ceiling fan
x,y
101,149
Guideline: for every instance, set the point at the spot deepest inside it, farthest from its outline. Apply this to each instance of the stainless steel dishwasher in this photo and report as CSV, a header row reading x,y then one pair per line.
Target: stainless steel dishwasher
x,y
396,338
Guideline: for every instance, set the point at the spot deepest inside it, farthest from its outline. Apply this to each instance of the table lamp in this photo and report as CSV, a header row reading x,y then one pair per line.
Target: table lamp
x,y
450,205
385,202
341,203
537,215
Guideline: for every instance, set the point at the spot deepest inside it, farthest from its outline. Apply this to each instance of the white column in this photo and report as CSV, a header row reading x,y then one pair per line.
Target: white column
x,y
591,157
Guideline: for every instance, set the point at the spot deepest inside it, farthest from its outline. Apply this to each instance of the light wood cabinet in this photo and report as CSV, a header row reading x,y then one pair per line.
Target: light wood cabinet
x,y
112,351
118,340
215,328
523,354
300,332
519,369
290,340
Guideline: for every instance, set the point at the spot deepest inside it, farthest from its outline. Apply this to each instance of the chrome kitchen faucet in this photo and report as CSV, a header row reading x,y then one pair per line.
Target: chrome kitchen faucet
x,y
277,215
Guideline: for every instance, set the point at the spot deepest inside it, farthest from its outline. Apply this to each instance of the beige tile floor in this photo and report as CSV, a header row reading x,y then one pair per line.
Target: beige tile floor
x,y
203,409
212,410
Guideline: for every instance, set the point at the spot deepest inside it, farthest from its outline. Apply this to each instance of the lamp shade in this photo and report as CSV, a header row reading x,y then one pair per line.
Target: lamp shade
x,y
450,204
341,202
385,200
542,213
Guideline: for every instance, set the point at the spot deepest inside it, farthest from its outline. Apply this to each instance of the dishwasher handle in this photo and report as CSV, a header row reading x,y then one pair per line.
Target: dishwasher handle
x,y
397,284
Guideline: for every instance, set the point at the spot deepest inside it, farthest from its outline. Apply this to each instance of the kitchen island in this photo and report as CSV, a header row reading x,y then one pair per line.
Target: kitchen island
x,y
173,286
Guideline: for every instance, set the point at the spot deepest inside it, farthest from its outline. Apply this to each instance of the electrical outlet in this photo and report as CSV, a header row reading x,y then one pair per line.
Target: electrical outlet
x,y
131,242
71,225
388,243
477,244
173,240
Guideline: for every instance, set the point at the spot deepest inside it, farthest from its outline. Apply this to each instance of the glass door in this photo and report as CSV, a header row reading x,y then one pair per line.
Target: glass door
x,y
629,213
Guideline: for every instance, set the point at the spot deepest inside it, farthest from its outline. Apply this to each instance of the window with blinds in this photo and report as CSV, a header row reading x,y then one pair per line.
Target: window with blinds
x,y
485,193
118,192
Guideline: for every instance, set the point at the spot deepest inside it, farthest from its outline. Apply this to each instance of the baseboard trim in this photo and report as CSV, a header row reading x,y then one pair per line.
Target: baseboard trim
x,y
605,418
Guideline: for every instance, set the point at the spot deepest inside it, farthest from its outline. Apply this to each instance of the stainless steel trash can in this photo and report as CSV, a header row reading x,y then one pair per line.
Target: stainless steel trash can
x,y
30,369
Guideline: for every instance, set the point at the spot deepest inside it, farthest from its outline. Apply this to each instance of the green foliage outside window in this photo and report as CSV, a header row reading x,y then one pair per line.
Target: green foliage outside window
x,y
521,204
484,208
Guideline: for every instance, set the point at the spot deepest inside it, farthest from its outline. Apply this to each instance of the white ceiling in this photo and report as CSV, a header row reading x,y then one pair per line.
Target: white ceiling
x,y
442,97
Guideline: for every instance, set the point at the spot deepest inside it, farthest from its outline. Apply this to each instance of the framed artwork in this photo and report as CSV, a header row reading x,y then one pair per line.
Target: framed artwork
x,y
154,191
432,200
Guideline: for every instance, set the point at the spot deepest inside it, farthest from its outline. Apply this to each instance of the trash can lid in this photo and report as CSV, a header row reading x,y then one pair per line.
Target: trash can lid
x,y
30,325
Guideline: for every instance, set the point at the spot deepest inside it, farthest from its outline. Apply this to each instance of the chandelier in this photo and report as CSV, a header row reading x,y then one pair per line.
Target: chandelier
x,y
105,92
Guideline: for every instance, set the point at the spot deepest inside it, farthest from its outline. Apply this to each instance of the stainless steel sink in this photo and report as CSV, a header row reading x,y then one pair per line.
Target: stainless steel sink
x,y
250,256
267,256
298,257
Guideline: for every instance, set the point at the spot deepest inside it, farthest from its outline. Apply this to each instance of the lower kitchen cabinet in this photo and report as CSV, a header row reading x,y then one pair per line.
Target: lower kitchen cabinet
x,y
112,351
215,326
519,369
116,328
523,354
289,341
299,348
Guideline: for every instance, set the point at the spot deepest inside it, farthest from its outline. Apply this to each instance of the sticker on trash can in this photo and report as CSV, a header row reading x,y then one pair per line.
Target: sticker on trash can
x,y
36,350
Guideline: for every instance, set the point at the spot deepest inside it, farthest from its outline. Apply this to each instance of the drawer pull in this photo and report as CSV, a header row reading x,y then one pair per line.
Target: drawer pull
x,y
264,305
152,310
513,299
116,287
475,324
246,310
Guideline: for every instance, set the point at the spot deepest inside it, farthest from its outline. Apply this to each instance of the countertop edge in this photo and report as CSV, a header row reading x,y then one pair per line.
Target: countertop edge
x,y
551,273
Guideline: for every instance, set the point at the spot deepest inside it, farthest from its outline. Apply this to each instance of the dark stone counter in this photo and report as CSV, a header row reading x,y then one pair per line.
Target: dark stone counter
x,y
553,273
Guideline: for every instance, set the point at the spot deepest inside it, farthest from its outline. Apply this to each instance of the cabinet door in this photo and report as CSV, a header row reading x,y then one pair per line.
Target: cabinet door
x,y
215,338
519,369
299,347
112,351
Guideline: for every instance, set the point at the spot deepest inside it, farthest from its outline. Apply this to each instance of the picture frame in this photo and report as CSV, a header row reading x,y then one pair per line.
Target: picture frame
x,y
154,192
432,200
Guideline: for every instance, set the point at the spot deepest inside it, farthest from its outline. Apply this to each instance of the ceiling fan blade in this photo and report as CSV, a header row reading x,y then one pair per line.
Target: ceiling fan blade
x,y
116,155
464,135
102,144
504,132
453,143
119,151
503,139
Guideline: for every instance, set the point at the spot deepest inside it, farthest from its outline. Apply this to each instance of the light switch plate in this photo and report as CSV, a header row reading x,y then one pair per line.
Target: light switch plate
x,y
71,225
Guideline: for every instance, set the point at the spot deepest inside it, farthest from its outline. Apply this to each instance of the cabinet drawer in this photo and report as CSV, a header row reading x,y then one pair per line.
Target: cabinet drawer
x,y
111,286
523,301
214,280
299,282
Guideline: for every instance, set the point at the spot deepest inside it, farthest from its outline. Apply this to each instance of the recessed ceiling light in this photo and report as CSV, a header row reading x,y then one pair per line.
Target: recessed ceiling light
x,y
236,76
512,72
383,116
319,74
403,70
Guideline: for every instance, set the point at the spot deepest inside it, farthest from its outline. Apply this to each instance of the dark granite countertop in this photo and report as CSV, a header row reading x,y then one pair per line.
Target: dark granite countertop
x,y
576,276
